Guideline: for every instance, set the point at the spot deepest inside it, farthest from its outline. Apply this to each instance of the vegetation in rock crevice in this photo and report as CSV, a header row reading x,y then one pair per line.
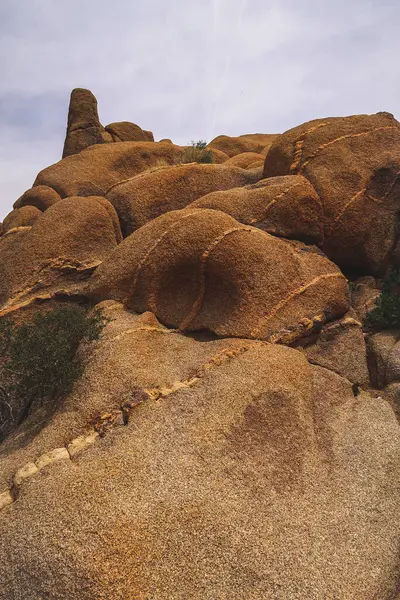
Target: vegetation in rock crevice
x,y
39,361
387,312
197,152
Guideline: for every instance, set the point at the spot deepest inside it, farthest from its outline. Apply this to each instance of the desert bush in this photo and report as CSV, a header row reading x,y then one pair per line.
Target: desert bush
x,y
39,361
386,314
197,152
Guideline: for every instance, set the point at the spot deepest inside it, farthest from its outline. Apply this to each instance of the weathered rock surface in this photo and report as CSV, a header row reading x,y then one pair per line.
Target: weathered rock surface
x,y
392,395
245,159
380,346
199,457
354,165
384,357
146,196
201,269
283,206
250,142
94,170
218,157
251,474
41,196
124,131
21,217
58,253
84,128
340,347
364,295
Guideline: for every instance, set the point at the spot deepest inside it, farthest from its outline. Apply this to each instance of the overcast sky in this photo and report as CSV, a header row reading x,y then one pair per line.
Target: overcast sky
x,y
187,69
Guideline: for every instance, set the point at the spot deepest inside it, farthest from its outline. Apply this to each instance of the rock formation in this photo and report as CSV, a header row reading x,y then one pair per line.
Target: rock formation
x,y
283,206
94,170
41,196
200,269
154,192
256,142
84,128
354,165
235,432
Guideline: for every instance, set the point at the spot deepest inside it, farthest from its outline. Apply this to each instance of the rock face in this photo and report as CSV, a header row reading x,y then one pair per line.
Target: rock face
x,y
84,128
94,170
340,347
128,132
364,296
64,246
150,194
200,269
251,142
21,217
275,507
41,196
224,441
245,159
354,165
283,206
383,357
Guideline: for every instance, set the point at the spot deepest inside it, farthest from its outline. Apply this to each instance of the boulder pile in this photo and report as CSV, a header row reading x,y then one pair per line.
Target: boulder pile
x,y
235,432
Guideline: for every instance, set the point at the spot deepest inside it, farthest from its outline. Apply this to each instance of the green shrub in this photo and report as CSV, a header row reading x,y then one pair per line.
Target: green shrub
x,y
387,312
39,361
197,152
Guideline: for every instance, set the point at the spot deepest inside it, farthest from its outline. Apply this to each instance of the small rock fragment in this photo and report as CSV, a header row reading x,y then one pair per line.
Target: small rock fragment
x,y
25,472
81,443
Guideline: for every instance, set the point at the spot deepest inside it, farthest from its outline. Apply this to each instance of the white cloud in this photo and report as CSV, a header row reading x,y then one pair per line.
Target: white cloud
x,y
187,69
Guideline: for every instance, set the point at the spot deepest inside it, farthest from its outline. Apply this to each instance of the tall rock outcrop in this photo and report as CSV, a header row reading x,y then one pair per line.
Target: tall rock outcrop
x,y
84,128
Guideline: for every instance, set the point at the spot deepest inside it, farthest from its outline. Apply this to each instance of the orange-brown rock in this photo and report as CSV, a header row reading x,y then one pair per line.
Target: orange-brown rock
x,y
248,474
21,217
250,142
257,164
84,128
380,348
58,252
94,170
124,131
340,347
201,269
365,292
146,196
218,157
354,165
283,206
245,159
41,196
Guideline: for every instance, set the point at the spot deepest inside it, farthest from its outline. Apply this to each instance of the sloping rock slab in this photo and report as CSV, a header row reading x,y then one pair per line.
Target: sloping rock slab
x,y
263,478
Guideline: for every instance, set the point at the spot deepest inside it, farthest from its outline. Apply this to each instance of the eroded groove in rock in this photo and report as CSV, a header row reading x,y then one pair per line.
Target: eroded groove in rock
x,y
203,265
340,139
298,149
282,303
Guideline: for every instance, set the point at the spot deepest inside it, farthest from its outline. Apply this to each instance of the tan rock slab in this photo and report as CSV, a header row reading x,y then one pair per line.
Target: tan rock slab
x,y
51,457
25,472
81,443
